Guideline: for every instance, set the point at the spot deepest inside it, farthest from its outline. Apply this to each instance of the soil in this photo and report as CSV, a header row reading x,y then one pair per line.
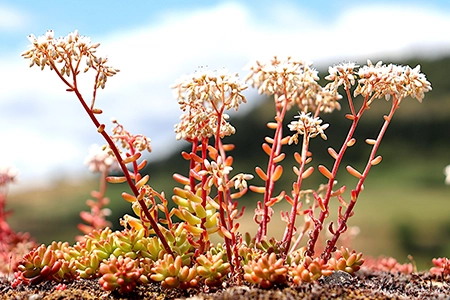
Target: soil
x,y
365,285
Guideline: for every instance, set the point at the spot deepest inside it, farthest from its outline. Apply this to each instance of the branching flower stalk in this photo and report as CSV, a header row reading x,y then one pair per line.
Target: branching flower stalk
x,y
8,175
70,51
308,127
263,74
203,97
372,161
375,81
291,82
347,81
99,161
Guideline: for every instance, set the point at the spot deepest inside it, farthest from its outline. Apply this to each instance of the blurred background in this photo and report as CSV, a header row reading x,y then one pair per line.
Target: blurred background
x,y
45,134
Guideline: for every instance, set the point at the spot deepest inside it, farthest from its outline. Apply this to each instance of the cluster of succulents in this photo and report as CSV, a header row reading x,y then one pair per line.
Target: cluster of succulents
x,y
13,245
173,246
345,260
123,259
212,267
441,266
119,272
44,263
308,270
390,264
266,271
172,274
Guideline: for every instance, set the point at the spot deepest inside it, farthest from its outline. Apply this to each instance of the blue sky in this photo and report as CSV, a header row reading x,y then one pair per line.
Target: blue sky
x,y
155,42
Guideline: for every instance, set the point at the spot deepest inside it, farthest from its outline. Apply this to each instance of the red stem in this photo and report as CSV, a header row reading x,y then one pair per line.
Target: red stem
x,y
355,193
100,199
314,235
117,155
192,165
287,239
275,151
203,238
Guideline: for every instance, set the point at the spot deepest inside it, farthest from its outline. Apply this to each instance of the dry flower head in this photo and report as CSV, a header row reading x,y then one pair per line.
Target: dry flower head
x,y
307,125
380,81
64,54
294,80
98,160
8,175
203,96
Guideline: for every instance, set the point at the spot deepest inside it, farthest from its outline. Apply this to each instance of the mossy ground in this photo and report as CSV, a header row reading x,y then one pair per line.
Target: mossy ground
x,y
365,285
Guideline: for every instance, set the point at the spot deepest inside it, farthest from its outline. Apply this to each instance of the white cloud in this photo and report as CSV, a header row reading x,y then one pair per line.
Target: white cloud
x,y
152,57
402,30
11,18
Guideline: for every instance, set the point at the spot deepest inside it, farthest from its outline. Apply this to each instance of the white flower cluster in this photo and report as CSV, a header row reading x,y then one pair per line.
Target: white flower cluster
x,y
294,81
98,160
447,174
380,81
127,140
8,175
219,171
203,97
202,123
307,125
240,180
65,54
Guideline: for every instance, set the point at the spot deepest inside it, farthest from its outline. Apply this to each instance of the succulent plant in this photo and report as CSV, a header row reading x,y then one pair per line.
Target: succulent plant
x,y
197,217
43,264
145,266
441,266
389,264
129,243
266,271
180,240
119,272
309,269
212,268
344,260
172,274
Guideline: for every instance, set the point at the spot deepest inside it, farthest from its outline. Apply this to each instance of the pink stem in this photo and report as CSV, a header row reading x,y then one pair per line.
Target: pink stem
x,y
113,147
314,235
287,239
270,184
355,193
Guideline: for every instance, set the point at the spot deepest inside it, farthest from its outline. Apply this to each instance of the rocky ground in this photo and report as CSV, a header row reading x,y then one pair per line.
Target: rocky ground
x,y
365,285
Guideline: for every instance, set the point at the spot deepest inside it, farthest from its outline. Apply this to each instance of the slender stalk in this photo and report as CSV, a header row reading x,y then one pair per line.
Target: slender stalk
x,y
225,202
275,151
287,239
101,197
342,221
113,147
126,174
192,165
203,237
314,235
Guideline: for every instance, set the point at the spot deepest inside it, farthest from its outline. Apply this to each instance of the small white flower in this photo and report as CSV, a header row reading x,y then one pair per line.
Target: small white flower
x,y
447,175
307,125
98,159
240,180
64,54
8,175
203,96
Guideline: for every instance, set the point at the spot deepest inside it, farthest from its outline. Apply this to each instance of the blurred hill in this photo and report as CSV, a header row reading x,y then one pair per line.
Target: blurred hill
x,y
404,209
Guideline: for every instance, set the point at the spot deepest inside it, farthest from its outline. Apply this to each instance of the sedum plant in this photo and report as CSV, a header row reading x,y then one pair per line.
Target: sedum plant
x,y
172,244
13,245
99,161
